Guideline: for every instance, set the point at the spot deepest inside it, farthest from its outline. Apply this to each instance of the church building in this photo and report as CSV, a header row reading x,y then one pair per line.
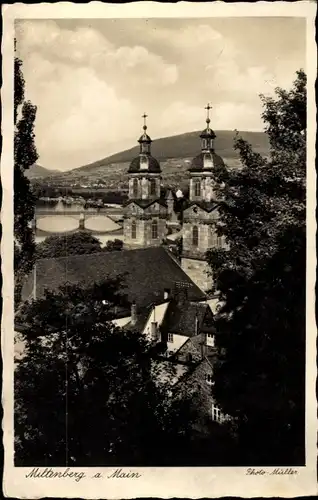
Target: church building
x,y
199,217
146,212
148,216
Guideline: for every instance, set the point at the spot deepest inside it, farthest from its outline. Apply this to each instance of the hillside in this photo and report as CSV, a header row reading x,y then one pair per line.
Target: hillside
x,y
174,153
184,146
39,172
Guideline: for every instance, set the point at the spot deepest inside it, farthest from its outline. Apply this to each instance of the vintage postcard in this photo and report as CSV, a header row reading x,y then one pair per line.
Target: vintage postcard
x,y
158,252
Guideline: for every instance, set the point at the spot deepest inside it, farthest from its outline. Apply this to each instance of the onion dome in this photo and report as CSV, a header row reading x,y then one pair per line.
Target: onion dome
x,y
144,162
207,159
148,164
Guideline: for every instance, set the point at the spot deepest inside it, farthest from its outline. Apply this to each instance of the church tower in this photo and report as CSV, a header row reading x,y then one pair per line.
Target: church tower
x,y
198,218
145,212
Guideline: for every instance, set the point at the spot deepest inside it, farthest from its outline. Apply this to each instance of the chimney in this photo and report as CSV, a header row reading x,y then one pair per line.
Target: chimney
x,y
196,324
133,313
154,330
203,350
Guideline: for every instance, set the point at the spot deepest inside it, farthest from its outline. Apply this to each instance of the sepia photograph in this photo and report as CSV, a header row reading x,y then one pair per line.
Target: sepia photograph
x,y
160,242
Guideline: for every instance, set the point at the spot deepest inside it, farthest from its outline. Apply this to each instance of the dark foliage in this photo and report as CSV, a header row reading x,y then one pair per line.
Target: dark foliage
x,y
88,393
25,155
261,282
79,243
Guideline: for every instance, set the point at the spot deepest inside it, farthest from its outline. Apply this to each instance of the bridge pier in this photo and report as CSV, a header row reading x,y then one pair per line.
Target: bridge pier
x,y
81,222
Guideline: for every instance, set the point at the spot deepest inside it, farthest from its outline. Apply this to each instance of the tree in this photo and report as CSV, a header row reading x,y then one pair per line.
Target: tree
x,y
260,278
114,245
92,386
77,243
25,156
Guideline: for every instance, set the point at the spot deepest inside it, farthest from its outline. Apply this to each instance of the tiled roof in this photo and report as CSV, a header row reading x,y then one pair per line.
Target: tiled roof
x,y
146,272
181,317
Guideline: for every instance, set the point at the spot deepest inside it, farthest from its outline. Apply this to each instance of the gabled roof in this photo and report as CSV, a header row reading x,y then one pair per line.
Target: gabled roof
x,y
146,203
146,273
207,206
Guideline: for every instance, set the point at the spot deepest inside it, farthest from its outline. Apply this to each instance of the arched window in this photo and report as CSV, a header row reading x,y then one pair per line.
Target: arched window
x,y
219,242
135,188
197,187
195,236
152,187
154,229
133,230
204,144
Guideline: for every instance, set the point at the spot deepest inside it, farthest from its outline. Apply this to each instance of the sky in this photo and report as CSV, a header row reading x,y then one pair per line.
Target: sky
x,y
92,79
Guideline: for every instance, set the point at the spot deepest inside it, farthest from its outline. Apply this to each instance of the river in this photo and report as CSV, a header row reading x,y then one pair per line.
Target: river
x,y
105,224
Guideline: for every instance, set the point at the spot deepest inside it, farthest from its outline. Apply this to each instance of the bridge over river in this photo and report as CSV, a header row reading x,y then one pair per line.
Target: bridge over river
x,y
64,218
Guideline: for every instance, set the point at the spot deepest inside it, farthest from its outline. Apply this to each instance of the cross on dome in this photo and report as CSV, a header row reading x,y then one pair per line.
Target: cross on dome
x,y
144,116
208,107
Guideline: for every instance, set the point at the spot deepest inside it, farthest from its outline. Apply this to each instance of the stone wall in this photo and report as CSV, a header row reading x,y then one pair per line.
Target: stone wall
x,y
143,191
143,233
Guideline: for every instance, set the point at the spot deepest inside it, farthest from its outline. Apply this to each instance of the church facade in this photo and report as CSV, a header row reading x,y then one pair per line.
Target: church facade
x,y
147,215
146,212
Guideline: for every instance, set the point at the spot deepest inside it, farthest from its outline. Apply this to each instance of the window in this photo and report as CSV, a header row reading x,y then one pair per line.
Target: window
x,y
135,188
152,186
208,378
216,413
210,339
219,242
189,357
195,236
204,144
154,229
133,230
197,187
170,337
145,147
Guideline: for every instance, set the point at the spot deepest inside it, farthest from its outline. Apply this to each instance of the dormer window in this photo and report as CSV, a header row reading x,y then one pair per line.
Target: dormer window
x,y
210,339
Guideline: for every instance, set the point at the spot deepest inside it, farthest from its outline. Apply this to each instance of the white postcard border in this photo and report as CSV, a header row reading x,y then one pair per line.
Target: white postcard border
x,y
195,482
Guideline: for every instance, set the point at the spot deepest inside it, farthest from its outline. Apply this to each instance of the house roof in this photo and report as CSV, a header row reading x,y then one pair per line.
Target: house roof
x,y
181,318
146,273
